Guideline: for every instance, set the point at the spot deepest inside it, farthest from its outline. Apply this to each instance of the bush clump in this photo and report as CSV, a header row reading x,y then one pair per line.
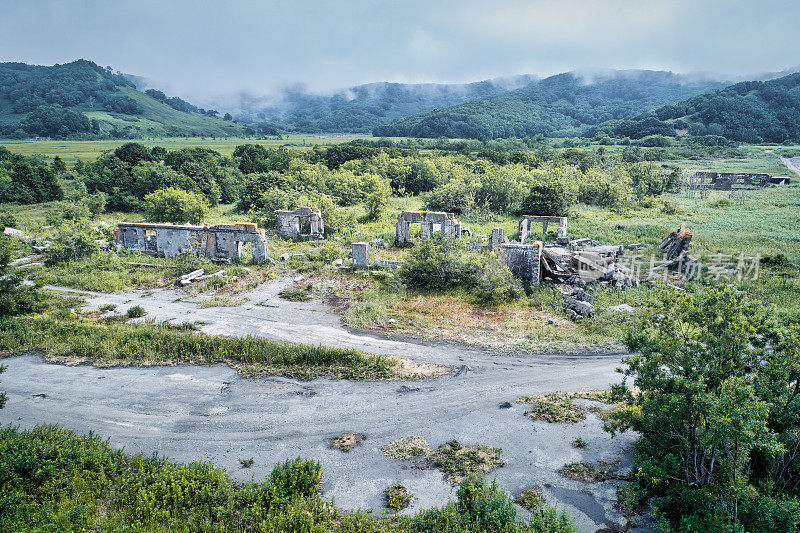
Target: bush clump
x,y
176,206
458,461
397,497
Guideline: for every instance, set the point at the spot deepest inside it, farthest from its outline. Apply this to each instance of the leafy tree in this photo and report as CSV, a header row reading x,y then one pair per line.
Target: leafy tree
x,y
58,166
718,411
547,197
175,206
227,116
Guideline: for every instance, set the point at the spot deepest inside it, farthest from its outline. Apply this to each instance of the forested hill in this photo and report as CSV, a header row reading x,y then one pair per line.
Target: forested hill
x,y
750,111
561,105
361,108
83,100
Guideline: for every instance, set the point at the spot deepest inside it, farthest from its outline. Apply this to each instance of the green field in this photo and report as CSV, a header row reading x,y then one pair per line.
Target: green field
x,y
71,151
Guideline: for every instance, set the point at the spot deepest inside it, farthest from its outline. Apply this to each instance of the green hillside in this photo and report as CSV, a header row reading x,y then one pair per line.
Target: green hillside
x,y
81,100
562,105
751,111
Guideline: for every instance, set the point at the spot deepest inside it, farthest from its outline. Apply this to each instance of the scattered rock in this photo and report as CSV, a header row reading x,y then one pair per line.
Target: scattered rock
x,y
285,257
622,308
14,232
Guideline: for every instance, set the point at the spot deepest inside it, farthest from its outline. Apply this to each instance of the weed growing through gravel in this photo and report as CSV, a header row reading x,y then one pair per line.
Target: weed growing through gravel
x,y
397,497
107,344
407,447
458,461
553,407
558,407
531,499
579,443
589,473
347,441
296,294
246,463
136,311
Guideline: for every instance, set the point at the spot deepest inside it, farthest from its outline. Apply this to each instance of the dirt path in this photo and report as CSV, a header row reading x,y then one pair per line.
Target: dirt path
x,y
792,163
210,413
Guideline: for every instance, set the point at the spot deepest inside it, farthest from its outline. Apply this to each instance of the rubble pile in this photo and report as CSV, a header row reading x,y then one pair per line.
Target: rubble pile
x,y
583,262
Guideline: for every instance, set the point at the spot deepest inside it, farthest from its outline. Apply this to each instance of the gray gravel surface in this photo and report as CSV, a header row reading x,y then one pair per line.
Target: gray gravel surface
x,y
210,413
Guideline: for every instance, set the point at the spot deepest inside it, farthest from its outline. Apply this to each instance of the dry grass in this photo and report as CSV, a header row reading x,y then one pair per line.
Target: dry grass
x,y
458,461
222,301
407,447
558,407
347,441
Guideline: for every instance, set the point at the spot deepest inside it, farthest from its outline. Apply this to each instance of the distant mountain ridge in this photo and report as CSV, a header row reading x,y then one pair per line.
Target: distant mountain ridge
x,y
560,105
83,100
361,108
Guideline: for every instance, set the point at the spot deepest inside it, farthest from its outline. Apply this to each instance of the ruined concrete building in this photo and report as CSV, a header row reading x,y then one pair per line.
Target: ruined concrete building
x,y
525,227
222,242
725,181
293,223
430,222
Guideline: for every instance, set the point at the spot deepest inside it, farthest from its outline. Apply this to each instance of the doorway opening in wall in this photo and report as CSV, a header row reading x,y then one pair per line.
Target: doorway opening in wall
x,y
416,231
245,254
305,225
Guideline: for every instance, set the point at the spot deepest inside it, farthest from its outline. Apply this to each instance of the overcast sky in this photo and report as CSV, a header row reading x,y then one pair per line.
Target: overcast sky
x,y
198,48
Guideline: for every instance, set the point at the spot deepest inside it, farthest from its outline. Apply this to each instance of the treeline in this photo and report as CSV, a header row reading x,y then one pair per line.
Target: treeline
x,y
28,180
752,112
562,105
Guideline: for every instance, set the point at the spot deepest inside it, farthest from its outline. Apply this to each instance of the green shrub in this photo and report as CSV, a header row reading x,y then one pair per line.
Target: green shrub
x,y
74,239
397,497
136,311
175,206
487,506
296,477
7,220
495,284
438,263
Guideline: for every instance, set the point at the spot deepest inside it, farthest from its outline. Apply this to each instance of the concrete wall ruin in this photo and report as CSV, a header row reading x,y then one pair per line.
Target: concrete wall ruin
x,y
525,227
725,181
430,222
222,242
290,223
523,260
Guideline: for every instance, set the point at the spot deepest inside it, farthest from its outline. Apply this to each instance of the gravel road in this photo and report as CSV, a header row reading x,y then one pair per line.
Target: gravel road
x,y
210,413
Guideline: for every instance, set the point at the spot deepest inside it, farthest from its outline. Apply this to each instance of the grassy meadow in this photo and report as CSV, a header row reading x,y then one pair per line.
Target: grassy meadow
x,y
71,151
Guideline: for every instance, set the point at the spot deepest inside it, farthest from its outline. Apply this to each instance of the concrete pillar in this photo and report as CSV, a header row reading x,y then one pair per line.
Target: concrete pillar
x,y
426,228
402,231
536,263
259,250
524,229
360,255
562,238
498,237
